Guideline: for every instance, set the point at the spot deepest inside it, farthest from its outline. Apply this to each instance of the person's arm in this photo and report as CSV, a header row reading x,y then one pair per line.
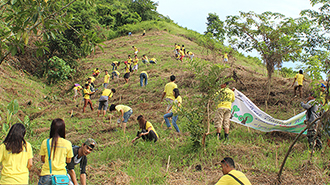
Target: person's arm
x,y
72,174
305,105
83,179
29,165
137,137
164,93
43,158
294,81
68,160
122,114
91,93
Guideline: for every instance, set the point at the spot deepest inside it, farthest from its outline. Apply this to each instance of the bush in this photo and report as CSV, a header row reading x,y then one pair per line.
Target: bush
x,y
58,70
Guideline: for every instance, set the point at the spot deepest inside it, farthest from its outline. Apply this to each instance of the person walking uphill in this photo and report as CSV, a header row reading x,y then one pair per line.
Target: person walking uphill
x,y
230,175
87,97
124,112
80,156
144,77
168,91
222,114
148,132
104,100
173,110
299,78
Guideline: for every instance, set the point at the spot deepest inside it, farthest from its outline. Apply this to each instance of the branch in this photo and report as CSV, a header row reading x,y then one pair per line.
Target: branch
x,y
3,58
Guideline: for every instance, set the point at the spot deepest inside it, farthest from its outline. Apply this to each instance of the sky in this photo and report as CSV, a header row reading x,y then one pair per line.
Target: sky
x,y
193,13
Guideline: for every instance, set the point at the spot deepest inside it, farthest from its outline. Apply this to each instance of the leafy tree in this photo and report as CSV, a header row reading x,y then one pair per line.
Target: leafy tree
x,y
145,8
59,70
275,37
216,27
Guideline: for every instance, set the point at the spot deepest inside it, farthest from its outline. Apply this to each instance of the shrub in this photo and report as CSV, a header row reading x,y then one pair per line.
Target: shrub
x,y
58,70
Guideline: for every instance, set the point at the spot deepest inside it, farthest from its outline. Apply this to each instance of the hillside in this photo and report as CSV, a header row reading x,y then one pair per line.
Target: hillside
x,y
116,161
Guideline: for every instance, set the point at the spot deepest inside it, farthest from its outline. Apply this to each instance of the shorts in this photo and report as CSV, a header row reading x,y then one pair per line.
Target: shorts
x,y
126,75
226,59
127,115
297,87
135,67
222,118
103,104
75,92
181,57
191,56
136,52
143,34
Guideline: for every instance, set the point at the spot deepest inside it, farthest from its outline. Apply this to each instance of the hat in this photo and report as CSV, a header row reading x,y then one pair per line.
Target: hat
x,y
90,142
76,85
322,85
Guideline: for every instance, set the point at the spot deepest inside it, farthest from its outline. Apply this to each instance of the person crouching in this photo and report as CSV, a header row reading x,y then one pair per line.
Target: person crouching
x,y
148,131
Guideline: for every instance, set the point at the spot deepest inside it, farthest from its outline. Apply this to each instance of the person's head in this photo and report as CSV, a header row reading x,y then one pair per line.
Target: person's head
x,y
224,85
132,46
57,130
323,87
300,71
86,86
187,51
175,44
172,78
113,90
112,107
88,146
182,45
142,121
106,72
97,68
135,56
144,55
89,79
176,92
129,56
14,140
227,165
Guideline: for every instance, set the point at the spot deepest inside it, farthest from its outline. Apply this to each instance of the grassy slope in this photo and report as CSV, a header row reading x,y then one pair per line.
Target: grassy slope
x,y
115,160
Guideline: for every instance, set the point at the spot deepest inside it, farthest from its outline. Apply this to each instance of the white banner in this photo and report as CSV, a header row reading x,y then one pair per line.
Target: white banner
x,y
245,112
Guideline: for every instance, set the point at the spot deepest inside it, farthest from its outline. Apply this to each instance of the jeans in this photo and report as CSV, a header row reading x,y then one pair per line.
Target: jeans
x,y
45,180
174,119
143,76
127,115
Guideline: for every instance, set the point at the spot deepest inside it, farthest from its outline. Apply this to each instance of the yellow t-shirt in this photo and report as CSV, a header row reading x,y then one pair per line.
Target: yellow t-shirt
x,y
190,53
63,151
181,53
127,68
299,78
225,55
129,61
136,61
106,78
78,88
96,71
176,104
86,95
169,90
116,72
145,58
115,62
177,47
122,107
228,180
14,166
148,124
227,99
153,59
145,72
136,49
107,92
92,79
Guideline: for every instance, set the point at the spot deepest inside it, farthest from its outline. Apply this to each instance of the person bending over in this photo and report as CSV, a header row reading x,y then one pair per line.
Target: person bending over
x,y
148,132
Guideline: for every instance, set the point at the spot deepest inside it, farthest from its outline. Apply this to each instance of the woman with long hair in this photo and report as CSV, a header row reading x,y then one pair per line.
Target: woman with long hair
x,y
147,132
172,111
60,152
16,156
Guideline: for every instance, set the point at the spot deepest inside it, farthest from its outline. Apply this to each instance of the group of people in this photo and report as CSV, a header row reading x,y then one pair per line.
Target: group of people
x,y
58,155
180,52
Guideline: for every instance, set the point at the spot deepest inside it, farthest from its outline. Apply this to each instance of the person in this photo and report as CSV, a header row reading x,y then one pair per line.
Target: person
x,y
323,94
191,55
225,57
87,97
136,50
129,34
222,115
181,55
173,110
127,72
115,74
299,78
144,76
148,132
175,50
135,63
96,72
104,99
145,59
76,90
129,60
91,81
61,152
168,91
311,108
124,112
178,55
183,49
115,65
230,175
106,79
80,157
144,32
15,156
152,61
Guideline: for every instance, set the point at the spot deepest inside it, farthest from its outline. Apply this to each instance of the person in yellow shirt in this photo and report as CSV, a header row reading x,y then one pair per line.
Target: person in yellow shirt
x,y
106,79
144,77
230,175
222,115
136,50
175,50
148,132
115,65
135,63
191,55
168,91
298,85
129,60
15,156
76,90
60,153
96,72
87,98
183,49
145,59
172,112
127,72
144,32
104,100
115,74
181,55
124,112
152,61
225,57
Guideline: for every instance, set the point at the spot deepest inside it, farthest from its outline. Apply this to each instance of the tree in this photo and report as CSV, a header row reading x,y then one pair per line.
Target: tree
x,y
216,27
275,37
145,8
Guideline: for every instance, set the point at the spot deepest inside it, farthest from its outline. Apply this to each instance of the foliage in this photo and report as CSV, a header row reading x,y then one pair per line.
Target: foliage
x,y
12,109
58,70
287,72
216,27
28,125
